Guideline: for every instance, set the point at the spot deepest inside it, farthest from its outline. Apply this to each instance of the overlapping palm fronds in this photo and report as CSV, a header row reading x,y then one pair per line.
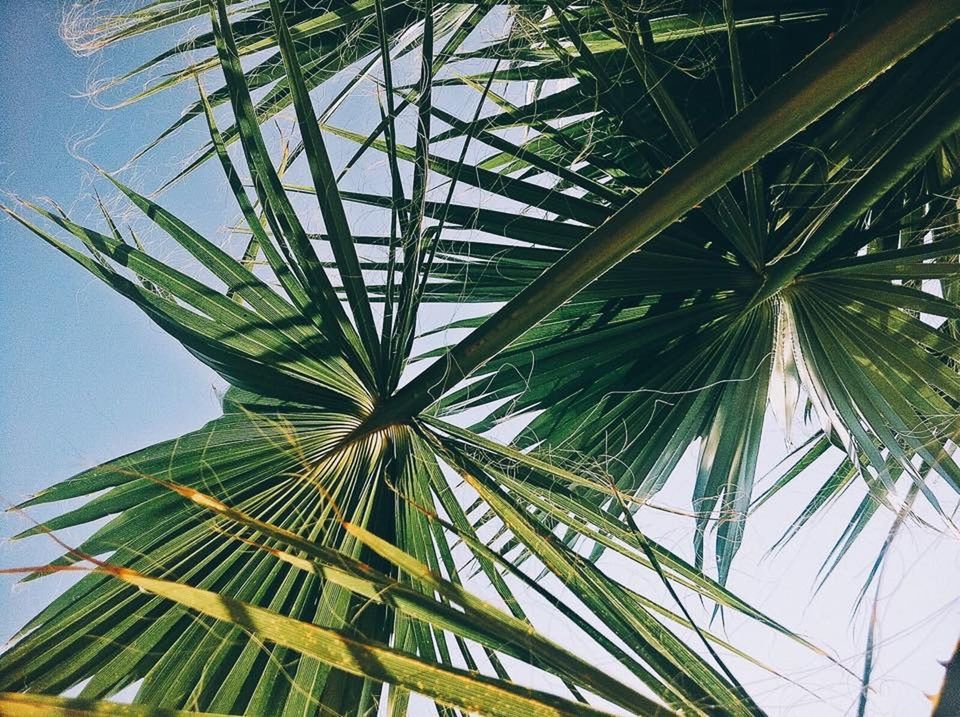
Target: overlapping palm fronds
x,y
676,250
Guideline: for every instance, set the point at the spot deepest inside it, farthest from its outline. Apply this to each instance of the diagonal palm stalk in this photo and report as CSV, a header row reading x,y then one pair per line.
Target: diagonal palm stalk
x,y
812,89
308,547
786,107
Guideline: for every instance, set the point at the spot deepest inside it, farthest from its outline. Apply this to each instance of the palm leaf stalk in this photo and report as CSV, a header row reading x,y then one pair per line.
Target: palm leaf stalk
x,y
813,88
569,390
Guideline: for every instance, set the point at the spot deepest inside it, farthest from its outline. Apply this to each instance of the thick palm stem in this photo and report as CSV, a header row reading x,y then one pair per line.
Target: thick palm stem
x,y
879,38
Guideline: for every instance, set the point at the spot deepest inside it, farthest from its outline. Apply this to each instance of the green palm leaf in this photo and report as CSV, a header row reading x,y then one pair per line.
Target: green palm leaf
x,y
764,241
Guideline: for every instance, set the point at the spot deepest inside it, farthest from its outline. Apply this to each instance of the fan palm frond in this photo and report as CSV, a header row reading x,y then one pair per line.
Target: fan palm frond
x,y
676,267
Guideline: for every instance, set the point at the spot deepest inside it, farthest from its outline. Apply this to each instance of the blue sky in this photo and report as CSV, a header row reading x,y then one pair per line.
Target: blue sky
x,y
87,377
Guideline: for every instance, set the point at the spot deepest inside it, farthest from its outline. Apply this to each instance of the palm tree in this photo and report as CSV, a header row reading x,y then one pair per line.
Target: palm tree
x,y
727,204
